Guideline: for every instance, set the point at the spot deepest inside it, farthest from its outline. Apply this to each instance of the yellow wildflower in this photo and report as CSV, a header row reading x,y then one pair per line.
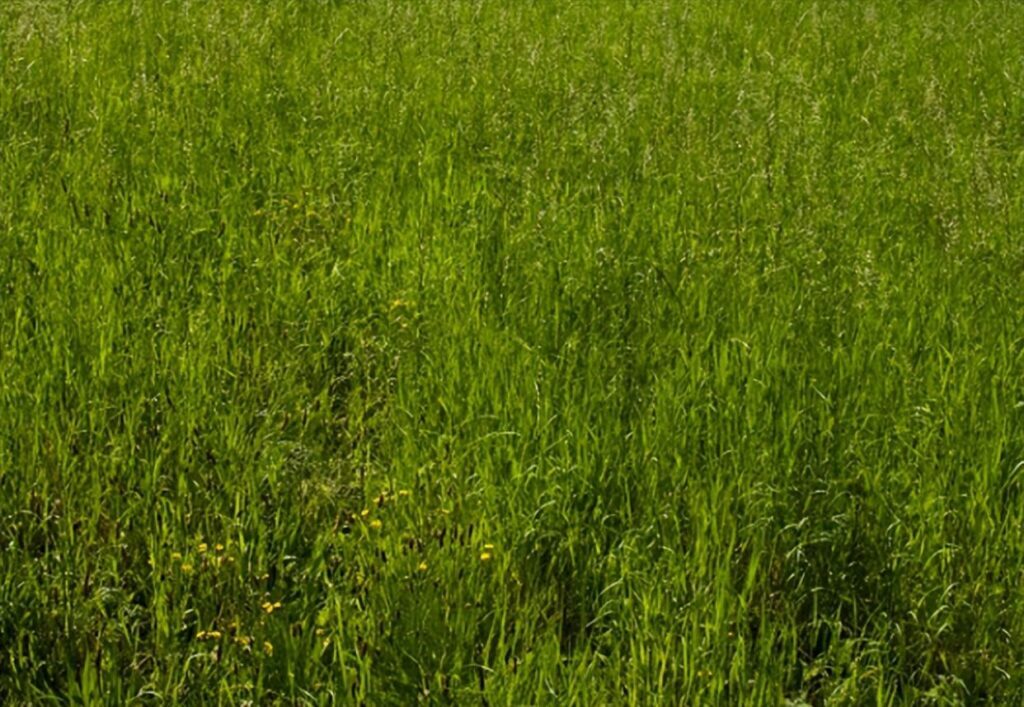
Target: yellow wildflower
x,y
268,648
175,557
376,524
423,567
203,547
485,556
270,607
186,568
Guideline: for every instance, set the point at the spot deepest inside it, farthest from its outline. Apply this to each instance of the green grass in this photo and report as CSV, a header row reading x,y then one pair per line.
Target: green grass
x,y
708,316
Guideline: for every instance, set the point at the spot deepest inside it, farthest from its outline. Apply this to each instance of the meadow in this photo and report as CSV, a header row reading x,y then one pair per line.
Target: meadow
x,y
588,352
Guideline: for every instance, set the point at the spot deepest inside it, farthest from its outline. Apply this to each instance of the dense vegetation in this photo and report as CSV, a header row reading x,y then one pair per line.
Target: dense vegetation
x,y
580,352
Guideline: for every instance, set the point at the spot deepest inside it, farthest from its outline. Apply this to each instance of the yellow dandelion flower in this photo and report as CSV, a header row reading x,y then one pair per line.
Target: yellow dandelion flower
x,y
405,493
365,512
485,556
423,567
270,607
186,568
243,640
175,557
376,524
218,547
268,648
488,547
203,547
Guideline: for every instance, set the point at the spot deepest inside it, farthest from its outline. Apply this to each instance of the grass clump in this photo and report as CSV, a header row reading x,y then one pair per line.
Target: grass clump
x,y
588,352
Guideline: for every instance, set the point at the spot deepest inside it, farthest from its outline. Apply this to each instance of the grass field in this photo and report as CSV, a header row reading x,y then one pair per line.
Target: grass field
x,y
583,352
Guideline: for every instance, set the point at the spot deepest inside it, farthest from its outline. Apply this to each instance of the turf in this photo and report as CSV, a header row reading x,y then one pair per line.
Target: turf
x,y
582,352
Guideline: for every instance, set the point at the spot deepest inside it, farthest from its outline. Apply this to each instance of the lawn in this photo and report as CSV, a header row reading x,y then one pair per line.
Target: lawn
x,y
587,352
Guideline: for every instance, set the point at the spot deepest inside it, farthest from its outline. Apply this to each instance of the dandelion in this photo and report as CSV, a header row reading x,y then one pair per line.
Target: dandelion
x,y
405,493
203,547
186,568
485,556
365,512
270,607
488,547
218,547
175,557
268,648
376,524
423,567
243,640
